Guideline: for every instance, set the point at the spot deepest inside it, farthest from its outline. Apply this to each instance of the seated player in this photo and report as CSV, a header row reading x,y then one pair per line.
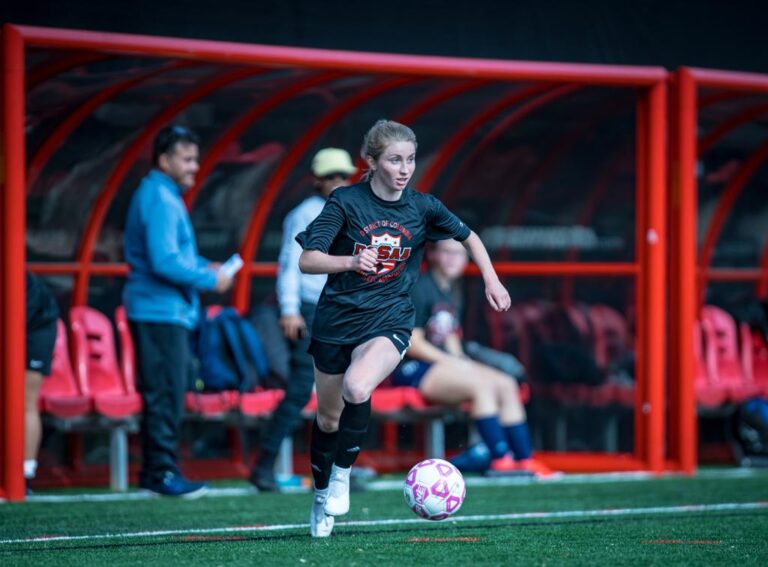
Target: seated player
x,y
42,312
437,365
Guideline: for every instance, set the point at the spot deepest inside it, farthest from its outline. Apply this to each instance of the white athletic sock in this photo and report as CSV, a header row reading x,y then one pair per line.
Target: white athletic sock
x,y
30,468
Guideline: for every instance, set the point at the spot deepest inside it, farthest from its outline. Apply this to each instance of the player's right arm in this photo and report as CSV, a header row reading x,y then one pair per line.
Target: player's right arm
x,y
316,241
317,262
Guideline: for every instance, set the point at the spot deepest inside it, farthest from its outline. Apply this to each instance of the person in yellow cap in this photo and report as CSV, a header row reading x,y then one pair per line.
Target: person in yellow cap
x,y
298,295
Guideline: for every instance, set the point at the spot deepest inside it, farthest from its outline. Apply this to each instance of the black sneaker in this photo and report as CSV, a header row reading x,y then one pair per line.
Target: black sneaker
x,y
173,484
27,487
264,480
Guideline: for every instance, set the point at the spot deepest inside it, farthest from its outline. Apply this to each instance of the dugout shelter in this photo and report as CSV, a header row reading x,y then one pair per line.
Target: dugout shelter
x,y
561,168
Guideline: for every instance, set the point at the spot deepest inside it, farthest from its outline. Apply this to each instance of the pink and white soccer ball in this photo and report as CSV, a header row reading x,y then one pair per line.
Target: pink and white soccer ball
x,y
434,489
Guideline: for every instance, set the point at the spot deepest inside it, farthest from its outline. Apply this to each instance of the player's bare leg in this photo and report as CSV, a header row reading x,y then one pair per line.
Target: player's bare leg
x,y
32,426
372,362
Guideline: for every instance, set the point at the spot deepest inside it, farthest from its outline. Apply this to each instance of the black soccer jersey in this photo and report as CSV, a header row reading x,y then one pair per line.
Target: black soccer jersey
x,y
438,312
352,305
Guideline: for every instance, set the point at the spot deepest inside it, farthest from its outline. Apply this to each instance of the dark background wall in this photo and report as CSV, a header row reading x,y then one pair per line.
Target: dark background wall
x,y
705,33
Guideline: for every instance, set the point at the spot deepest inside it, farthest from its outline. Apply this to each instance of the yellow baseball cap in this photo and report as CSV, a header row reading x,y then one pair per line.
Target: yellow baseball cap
x,y
332,160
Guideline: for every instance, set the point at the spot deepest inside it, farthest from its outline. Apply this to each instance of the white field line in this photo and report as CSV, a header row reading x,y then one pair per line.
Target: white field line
x,y
397,484
610,512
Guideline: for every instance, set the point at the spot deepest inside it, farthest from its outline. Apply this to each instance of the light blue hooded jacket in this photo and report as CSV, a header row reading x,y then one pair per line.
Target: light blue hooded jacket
x,y
160,248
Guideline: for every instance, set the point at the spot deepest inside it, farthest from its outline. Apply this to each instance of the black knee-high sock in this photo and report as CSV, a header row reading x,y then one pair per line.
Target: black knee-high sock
x,y
353,427
321,454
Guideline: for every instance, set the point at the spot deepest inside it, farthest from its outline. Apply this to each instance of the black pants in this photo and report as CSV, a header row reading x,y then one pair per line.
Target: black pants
x,y
162,355
297,392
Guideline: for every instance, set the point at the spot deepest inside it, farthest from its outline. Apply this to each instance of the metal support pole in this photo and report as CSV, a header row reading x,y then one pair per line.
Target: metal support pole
x,y
118,459
285,457
435,438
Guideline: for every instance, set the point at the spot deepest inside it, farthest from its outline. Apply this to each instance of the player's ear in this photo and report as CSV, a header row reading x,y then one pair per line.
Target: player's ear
x,y
371,162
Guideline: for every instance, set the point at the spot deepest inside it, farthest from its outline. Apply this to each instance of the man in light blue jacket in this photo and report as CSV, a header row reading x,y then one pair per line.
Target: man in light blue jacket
x,y
162,304
298,294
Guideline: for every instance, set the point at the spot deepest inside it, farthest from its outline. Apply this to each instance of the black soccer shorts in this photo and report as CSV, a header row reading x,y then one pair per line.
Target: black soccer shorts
x,y
335,359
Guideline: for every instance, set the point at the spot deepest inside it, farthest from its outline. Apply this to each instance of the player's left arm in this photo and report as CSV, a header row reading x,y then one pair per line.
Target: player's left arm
x,y
496,294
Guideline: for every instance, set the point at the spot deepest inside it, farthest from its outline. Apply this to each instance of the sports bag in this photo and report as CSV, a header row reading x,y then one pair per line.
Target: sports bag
x,y
230,352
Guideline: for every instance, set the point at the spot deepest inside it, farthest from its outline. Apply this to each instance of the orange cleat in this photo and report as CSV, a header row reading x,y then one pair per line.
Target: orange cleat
x,y
505,465
534,467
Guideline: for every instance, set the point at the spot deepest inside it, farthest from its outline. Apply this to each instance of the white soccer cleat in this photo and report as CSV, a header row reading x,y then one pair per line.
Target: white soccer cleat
x,y
320,523
338,496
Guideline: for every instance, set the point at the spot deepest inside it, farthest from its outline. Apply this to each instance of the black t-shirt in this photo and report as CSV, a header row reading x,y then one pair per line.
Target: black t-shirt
x,y
353,306
41,306
438,311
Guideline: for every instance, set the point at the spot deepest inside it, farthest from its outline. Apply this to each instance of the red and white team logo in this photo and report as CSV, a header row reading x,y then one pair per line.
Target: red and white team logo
x,y
389,249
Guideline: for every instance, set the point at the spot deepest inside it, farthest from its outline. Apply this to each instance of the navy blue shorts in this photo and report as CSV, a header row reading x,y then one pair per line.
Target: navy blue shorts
x,y
410,373
335,359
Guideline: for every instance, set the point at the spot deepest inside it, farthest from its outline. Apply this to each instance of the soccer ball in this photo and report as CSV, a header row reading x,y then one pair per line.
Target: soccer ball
x,y
434,489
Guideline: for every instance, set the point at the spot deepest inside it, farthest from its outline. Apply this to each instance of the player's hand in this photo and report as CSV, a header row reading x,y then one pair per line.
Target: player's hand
x,y
223,282
365,262
214,266
497,295
294,327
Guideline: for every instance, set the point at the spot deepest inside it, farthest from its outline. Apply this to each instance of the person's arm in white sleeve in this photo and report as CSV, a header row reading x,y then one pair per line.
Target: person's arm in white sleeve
x,y
288,273
289,278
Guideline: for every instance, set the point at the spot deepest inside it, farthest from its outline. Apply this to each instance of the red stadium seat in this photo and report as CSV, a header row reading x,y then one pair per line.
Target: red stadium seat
x,y
396,399
127,350
211,404
260,403
311,406
61,394
721,342
206,404
97,367
612,342
611,334
514,327
708,392
580,319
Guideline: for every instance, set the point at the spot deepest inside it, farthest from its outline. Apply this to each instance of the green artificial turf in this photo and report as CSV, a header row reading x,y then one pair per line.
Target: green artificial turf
x,y
680,537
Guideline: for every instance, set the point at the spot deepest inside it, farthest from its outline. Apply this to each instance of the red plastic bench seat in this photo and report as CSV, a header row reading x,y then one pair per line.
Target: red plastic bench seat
x,y
60,394
114,395
260,403
211,404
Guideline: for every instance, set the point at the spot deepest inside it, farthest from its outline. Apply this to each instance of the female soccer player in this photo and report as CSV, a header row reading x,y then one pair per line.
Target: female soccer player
x,y
370,239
